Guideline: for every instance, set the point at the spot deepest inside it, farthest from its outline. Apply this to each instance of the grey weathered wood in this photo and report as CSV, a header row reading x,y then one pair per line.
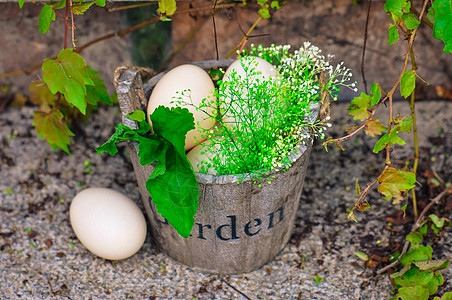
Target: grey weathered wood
x,y
238,227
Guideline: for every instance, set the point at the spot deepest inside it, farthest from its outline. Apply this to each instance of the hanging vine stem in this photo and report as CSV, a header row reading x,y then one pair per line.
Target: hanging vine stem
x,y
364,46
244,39
120,33
389,96
415,137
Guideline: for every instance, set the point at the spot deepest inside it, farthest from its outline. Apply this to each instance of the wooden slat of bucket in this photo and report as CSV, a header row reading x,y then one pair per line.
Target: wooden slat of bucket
x,y
238,227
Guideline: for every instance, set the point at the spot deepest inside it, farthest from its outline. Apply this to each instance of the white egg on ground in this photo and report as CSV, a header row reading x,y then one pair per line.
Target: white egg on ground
x,y
257,70
195,85
107,223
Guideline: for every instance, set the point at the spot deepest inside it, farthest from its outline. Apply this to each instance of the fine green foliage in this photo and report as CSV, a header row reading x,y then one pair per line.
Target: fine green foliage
x,y
172,184
442,29
261,120
418,278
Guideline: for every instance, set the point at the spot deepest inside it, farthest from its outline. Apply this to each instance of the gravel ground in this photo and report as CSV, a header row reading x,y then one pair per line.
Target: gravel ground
x,y
41,258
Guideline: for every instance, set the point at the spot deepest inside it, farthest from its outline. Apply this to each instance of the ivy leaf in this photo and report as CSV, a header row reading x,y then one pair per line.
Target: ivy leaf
x,y
393,34
397,8
98,91
413,277
407,83
264,13
439,223
167,7
432,265
410,21
394,182
80,8
375,91
416,253
100,3
413,292
442,29
46,16
275,5
381,143
41,95
53,129
414,238
173,124
68,75
373,127
359,107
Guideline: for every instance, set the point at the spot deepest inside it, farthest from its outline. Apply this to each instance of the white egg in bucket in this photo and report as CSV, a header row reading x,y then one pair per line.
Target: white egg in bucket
x,y
249,69
191,83
107,223
201,153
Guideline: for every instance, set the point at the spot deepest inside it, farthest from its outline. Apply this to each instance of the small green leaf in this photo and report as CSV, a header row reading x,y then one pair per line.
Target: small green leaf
x,y
264,13
381,143
442,29
440,223
375,91
318,279
394,182
167,7
46,16
413,293
358,190
21,3
98,91
373,127
361,255
397,8
401,272
80,8
407,83
416,253
53,129
393,34
137,115
68,75
414,238
410,21
432,265
275,5
100,3
359,107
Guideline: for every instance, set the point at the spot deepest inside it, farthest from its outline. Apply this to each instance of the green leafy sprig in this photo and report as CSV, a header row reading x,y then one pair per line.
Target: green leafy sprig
x,y
172,184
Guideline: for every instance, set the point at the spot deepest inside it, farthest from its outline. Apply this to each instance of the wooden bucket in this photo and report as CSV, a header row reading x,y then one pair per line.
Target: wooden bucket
x,y
238,227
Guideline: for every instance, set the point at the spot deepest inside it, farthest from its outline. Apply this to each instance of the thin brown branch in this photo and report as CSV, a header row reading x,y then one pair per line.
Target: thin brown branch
x,y
364,46
121,33
416,226
113,9
363,195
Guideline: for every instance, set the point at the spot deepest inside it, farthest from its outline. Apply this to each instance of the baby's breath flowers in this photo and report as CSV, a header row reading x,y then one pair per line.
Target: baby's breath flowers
x,y
260,122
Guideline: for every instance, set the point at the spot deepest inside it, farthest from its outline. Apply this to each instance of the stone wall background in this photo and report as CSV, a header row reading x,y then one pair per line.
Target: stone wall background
x,y
335,26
